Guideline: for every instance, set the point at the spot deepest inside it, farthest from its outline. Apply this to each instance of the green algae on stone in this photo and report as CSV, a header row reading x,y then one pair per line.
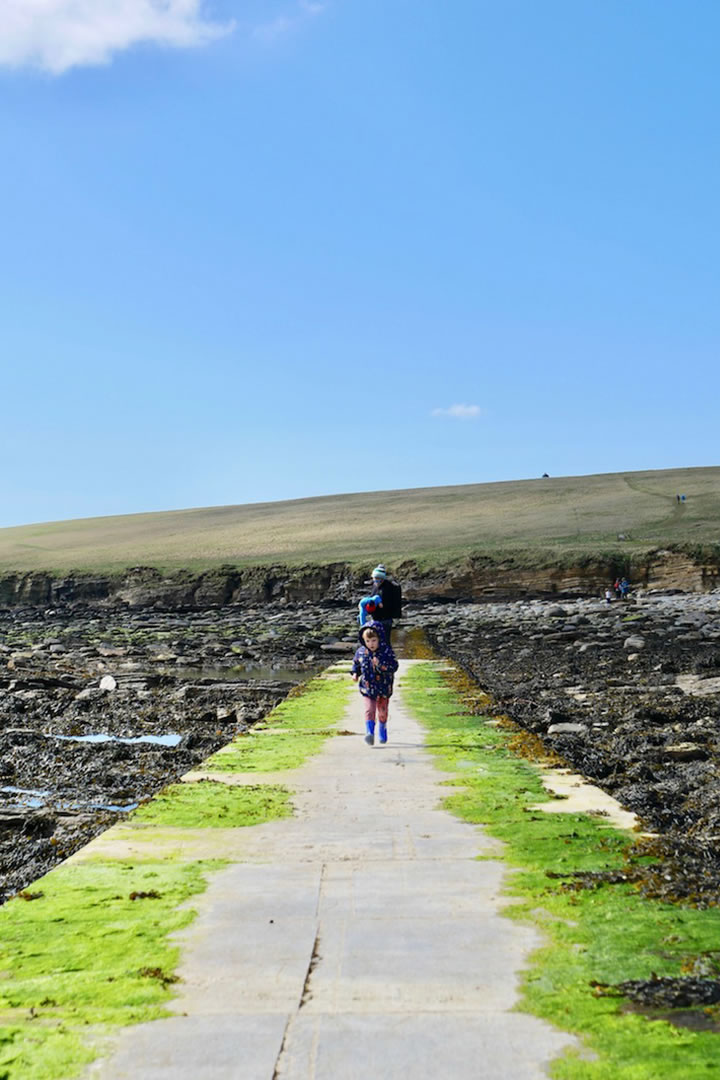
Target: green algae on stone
x,y
212,805
605,934
291,733
87,953
93,952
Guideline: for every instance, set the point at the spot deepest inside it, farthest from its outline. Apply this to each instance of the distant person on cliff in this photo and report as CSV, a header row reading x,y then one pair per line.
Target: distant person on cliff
x,y
390,593
374,666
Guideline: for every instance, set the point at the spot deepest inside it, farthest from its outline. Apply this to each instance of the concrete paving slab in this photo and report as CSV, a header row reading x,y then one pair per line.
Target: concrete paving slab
x,y
274,890
579,796
426,1046
235,779
258,921
198,1048
262,969
410,889
404,964
363,936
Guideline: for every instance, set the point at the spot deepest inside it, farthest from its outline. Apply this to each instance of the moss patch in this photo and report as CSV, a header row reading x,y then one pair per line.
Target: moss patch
x,y
87,953
92,951
292,732
604,934
207,804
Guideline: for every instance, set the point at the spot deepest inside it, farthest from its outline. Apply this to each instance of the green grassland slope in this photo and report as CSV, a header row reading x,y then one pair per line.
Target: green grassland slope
x,y
556,518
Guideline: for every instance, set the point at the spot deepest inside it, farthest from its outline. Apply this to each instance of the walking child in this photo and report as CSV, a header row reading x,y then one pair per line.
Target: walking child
x,y
374,665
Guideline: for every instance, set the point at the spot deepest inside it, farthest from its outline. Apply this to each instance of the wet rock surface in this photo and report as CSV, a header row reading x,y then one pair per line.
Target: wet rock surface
x,y
628,694
687,1001
99,710
666,992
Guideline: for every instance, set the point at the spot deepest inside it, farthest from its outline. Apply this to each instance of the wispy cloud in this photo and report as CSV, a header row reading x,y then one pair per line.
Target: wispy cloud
x,y
56,35
289,20
459,412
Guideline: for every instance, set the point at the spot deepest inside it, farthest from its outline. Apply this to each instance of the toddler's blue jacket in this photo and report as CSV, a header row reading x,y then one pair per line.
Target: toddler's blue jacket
x,y
377,681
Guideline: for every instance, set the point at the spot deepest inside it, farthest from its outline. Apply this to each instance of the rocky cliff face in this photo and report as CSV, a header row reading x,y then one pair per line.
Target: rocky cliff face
x,y
145,586
476,580
473,578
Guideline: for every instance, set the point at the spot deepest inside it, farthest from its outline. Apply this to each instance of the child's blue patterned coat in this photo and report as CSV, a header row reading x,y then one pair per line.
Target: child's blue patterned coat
x,y
375,682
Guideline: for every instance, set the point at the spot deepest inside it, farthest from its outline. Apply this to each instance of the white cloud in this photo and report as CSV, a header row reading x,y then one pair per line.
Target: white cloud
x,y
459,412
56,35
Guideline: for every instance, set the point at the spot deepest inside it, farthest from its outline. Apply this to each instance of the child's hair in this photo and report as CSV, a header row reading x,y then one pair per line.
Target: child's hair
x,y
369,630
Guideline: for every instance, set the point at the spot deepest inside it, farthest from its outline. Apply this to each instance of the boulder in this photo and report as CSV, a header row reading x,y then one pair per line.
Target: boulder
x,y
567,729
686,751
22,736
90,693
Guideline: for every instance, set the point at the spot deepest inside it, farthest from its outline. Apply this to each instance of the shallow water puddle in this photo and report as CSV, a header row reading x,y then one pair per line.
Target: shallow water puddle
x,y
693,1019
156,740
33,799
36,800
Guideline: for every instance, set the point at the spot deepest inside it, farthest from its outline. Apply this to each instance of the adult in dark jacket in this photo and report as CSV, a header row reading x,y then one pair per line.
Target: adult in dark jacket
x,y
389,593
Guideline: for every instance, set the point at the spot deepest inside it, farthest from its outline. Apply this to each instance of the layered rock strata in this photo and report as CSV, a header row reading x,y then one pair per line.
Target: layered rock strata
x,y
473,578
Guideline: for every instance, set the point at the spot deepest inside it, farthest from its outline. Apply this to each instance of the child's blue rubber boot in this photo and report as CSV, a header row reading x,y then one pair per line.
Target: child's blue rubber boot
x,y
370,729
382,730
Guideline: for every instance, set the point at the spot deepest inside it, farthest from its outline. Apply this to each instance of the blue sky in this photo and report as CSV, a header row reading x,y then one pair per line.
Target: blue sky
x,y
269,249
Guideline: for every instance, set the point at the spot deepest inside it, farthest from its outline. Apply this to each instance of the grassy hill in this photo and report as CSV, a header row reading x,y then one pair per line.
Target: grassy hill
x,y
557,519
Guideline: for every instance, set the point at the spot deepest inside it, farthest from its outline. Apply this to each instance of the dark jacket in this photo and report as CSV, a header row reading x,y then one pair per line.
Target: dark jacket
x,y
377,681
390,601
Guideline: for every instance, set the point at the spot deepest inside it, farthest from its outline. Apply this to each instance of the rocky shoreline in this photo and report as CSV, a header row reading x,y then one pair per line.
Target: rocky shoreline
x,y
98,710
101,707
628,694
